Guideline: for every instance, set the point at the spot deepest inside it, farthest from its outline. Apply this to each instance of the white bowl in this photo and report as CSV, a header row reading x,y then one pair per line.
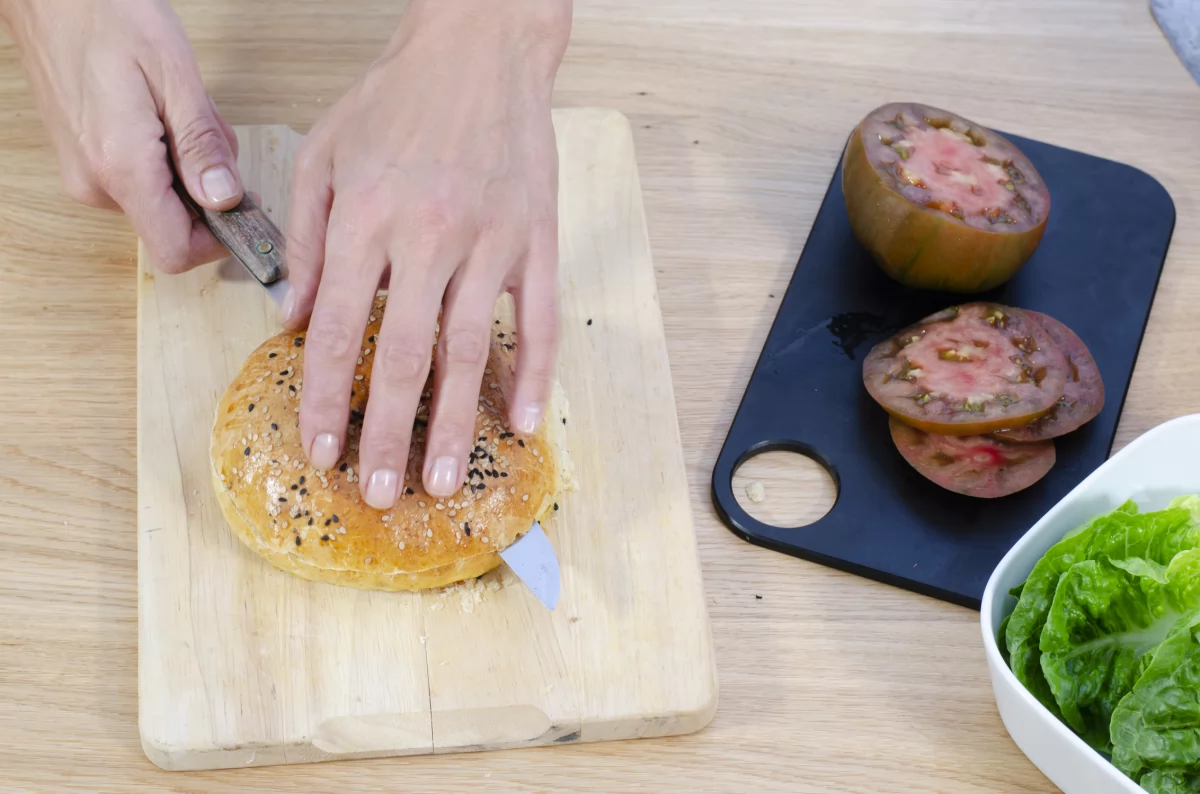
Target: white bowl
x,y
1153,470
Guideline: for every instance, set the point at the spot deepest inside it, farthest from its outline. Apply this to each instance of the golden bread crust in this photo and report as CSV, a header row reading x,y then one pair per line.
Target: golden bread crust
x,y
315,524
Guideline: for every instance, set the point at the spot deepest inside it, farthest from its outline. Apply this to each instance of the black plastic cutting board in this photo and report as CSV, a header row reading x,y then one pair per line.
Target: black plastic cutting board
x,y
1096,270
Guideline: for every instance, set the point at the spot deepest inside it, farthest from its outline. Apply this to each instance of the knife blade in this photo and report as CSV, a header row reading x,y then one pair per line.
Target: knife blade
x,y
252,238
533,560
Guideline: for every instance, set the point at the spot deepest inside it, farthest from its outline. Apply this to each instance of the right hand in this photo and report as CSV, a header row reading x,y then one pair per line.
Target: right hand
x,y
113,80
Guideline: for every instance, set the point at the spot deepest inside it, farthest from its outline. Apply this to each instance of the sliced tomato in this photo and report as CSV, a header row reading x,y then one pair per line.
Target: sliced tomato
x,y
979,466
968,370
1083,397
940,201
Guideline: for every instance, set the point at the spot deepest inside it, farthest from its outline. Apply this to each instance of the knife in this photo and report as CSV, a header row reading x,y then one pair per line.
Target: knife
x,y
250,236
255,241
533,560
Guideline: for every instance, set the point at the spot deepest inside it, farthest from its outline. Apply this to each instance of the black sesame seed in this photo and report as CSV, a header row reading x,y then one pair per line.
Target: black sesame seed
x,y
589,321
467,529
491,459
409,491
327,522
483,438
275,427
500,335
298,341
310,522
246,451
335,518
250,407
279,383
503,474
303,491
371,338
297,540
294,486
564,420
292,390
342,467
356,416
305,512
324,537
520,442
272,355
556,505
283,499
302,479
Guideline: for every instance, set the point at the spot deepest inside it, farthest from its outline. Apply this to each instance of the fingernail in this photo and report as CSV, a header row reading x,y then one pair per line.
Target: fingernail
x,y
442,477
528,418
289,306
324,453
382,489
218,184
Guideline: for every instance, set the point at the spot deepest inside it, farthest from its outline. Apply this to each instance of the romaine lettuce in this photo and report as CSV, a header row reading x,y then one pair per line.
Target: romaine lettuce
x,y
1157,726
1103,625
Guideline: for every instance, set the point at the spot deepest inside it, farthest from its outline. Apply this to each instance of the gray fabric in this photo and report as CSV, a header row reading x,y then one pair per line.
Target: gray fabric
x,y
1180,23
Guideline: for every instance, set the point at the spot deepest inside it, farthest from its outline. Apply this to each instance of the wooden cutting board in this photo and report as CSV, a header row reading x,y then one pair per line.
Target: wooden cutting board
x,y
240,664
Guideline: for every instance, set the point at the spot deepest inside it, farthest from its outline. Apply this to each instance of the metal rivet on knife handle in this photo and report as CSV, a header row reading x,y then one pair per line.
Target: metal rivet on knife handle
x,y
248,234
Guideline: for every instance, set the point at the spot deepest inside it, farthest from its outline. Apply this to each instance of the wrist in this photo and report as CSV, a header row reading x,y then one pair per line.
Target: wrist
x,y
535,30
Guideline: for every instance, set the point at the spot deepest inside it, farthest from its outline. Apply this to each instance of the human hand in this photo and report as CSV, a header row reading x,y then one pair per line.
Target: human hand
x,y
438,169
111,79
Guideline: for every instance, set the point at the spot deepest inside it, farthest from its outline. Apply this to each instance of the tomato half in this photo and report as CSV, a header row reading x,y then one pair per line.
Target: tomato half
x,y
968,370
1083,397
979,466
942,202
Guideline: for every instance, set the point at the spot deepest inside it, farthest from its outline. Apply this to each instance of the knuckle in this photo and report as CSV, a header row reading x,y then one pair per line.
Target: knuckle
x,y
199,138
384,441
433,218
331,337
448,427
464,346
401,363
171,258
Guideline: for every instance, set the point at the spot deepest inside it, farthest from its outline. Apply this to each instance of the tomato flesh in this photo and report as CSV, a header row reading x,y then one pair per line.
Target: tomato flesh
x,y
941,202
1083,397
968,370
978,466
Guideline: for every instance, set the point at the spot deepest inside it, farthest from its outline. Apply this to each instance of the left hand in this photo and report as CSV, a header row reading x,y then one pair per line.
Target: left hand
x,y
440,166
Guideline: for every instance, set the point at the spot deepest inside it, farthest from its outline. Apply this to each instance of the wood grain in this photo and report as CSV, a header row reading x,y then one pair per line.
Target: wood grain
x,y
829,683
242,665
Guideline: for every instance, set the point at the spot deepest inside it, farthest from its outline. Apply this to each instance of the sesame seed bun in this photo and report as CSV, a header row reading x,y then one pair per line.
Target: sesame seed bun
x,y
316,525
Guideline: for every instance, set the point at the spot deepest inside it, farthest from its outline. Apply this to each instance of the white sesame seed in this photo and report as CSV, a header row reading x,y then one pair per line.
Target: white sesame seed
x,y
402,545
453,513
360,360
429,533
485,540
525,498
386,519
425,517
358,377
420,504
512,489
440,506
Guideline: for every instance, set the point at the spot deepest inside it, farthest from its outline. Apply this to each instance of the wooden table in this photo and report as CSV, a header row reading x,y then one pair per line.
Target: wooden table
x,y
829,682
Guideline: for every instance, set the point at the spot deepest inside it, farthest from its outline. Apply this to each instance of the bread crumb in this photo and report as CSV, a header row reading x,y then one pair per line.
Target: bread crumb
x,y
756,492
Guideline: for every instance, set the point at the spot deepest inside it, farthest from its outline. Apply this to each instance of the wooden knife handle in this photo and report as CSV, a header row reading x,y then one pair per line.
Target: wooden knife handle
x,y
248,234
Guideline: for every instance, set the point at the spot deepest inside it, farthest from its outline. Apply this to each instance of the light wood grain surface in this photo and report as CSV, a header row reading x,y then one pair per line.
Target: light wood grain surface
x,y
829,683
243,665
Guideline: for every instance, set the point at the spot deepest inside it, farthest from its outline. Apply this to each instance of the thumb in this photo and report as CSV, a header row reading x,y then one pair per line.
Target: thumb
x,y
204,159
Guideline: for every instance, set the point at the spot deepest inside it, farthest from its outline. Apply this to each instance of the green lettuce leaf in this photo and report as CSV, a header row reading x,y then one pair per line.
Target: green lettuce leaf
x,y
1123,534
1024,627
1170,782
1102,629
1157,726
